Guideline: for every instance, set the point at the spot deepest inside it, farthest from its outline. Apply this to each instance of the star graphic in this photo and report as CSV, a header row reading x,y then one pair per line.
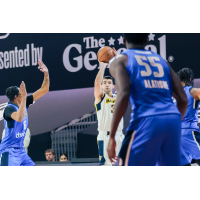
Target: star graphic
x,y
111,41
121,40
151,36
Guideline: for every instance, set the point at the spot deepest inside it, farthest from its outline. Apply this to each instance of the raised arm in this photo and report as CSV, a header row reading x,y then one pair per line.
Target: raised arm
x,y
178,93
98,92
122,80
46,83
20,114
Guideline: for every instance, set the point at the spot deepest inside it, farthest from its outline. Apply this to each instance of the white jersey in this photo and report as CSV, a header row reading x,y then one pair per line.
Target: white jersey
x,y
105,110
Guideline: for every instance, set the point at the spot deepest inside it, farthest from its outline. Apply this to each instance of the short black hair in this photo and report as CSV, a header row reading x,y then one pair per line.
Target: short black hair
x,y
11,92
64,155
108,77
136,38
186,75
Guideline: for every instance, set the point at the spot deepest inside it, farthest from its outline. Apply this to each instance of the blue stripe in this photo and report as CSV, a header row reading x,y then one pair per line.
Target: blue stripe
x,y
98,106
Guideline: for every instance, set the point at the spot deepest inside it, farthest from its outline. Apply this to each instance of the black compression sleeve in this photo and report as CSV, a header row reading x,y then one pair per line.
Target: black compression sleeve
x,y
29,100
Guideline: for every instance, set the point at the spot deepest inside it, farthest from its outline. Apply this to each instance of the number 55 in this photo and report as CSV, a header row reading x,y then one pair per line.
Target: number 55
x,y
148,71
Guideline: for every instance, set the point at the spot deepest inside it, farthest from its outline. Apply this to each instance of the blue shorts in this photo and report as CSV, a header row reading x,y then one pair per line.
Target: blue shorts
x,y
16,157
190,145
155,141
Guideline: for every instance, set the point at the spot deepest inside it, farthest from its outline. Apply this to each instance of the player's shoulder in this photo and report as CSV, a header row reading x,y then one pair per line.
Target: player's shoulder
x,y
122,58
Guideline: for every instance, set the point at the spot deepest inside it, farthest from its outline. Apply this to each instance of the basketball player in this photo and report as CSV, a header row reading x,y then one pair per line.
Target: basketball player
x,y
104,103
154,134
190,134
16,122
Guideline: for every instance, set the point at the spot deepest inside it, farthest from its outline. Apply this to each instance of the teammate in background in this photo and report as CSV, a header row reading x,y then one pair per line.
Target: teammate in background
x,y
190,134
16,122
104,103
154,134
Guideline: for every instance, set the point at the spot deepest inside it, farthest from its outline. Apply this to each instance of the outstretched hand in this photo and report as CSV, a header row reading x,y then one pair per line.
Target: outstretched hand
x,y
22,89
111,150
43,67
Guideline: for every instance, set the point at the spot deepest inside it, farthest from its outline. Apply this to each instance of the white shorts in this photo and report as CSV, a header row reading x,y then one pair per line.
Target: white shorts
x,y
102,141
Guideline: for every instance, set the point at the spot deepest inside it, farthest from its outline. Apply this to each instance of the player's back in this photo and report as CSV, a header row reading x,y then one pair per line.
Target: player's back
x,y
190,119
151,84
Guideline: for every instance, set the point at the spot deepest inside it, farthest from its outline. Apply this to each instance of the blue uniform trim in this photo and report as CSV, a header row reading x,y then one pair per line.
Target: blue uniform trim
x,y
190,145
101,156
98,106
4,159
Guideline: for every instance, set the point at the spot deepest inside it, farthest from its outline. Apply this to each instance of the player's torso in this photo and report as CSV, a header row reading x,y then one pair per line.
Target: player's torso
x,y
190,119
14,132
105,110
151,84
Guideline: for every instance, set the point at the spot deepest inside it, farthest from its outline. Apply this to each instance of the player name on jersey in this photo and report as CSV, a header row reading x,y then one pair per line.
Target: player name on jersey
x,y
156,84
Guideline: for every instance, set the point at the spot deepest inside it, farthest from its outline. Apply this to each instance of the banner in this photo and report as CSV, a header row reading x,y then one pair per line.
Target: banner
x,y
72,58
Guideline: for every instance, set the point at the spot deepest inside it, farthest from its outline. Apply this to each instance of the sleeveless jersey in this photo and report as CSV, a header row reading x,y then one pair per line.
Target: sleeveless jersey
x,y
190,119
105,110
151,85
14,132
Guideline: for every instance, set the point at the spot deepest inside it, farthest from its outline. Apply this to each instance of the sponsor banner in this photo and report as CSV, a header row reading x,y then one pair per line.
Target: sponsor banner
x,y
72,58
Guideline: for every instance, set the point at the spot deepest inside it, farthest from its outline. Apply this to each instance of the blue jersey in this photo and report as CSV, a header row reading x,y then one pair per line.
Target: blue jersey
x,y
190,119
14,132
151,85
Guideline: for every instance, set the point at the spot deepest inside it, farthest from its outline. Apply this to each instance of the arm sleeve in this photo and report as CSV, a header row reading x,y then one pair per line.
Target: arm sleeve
x,y
29,100
8,112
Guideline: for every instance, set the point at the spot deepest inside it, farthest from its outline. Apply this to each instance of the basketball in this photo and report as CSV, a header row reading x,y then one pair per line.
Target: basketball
x,y
105,54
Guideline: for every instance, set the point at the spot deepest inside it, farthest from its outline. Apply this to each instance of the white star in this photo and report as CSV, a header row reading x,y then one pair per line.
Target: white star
x,y
111,41
121,40
151,36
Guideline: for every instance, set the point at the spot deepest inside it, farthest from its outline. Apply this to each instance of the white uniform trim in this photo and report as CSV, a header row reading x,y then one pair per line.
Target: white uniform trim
x,y
195,140
105,110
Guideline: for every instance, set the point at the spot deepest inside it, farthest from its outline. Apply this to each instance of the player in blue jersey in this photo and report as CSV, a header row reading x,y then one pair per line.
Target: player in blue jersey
x,y
154,134
16,122
190,134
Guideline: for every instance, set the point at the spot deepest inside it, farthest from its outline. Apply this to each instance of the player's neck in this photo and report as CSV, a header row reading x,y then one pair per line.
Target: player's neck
x,y
15,103
135,46
109,94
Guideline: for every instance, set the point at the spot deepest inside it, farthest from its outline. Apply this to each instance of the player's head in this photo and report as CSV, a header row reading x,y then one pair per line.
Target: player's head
x,y
140,39
186,77
13,93
50,155
63,158
107,84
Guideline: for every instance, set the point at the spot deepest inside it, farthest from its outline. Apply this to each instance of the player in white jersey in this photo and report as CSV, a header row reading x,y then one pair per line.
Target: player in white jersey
x,y
104,103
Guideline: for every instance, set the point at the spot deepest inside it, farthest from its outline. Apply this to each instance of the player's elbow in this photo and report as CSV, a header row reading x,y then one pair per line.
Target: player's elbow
x,y
183,101
124,94
19,119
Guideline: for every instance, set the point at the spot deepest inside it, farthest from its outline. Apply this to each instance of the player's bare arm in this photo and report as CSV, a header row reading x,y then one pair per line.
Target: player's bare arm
x,y
178,93
118,71
46,83
195,93
20,114
98,92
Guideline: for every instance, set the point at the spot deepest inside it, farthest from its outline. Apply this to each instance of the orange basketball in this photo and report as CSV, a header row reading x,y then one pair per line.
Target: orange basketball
x,y
105,54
